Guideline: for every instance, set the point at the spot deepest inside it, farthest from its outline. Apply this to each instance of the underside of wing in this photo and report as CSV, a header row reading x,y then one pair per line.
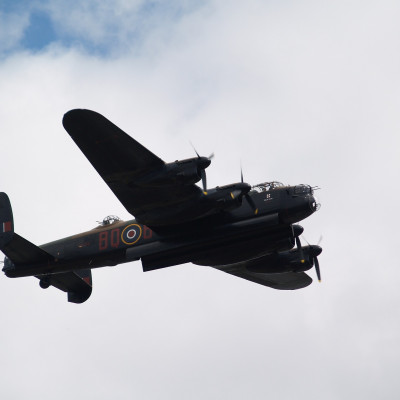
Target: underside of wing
x,y
280,281
110,150
129,169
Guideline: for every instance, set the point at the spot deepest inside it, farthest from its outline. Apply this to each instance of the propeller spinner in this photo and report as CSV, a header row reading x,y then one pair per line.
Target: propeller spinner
x,y
203,163
314,251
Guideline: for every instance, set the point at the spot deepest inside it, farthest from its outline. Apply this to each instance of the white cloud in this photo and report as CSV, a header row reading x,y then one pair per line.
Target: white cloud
x,y
302,93
116,27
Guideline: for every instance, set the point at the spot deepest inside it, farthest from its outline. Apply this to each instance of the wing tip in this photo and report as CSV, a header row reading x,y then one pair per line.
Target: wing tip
x,y
74,115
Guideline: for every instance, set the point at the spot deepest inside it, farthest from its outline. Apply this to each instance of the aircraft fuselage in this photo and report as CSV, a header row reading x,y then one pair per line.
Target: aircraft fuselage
x,y
224,238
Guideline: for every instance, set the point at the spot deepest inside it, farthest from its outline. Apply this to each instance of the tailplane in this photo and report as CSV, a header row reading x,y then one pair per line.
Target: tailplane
x,y
19,250
22,256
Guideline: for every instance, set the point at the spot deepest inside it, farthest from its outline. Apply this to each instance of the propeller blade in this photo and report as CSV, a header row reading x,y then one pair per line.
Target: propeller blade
x,y
251,203
247,196
317,270
202,166
194,148
210,157
236,193
204,179
298,244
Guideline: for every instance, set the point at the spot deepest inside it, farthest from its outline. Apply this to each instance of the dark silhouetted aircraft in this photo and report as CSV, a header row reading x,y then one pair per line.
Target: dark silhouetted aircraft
x,y
246,231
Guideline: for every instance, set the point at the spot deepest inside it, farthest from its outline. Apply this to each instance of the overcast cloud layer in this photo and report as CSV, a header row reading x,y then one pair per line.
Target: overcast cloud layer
x,y
298,92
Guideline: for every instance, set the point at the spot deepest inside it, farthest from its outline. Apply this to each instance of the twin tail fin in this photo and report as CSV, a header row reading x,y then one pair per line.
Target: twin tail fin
x,y
6,221
21,253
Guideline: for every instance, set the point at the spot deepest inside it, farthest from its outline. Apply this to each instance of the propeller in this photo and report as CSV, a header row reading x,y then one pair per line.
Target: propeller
x,y
315,251
300,249
316,264
203,164
247,196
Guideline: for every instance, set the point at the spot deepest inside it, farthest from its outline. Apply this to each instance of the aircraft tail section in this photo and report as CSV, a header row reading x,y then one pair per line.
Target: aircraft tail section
x,y
22,252
23,257
18,250
77,284
6,221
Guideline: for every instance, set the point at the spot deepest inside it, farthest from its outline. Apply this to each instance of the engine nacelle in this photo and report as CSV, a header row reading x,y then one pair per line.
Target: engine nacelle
x,y
286,261
186,172
225,201
228,197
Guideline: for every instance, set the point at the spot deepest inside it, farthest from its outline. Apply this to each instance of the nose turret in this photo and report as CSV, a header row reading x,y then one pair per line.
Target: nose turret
x,y
300,203
314,203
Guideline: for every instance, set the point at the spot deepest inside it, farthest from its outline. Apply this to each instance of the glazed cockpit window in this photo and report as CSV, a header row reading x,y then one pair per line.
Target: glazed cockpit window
x,y
303,189
267,186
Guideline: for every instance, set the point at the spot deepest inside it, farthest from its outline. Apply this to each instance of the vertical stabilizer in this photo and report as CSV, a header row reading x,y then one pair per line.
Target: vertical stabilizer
x,y
6,221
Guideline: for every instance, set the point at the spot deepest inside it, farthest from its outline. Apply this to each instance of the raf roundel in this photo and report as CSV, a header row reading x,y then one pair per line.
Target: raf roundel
x,y
131,234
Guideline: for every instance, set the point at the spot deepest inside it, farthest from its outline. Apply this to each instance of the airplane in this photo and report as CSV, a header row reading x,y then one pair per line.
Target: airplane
x,y
247,231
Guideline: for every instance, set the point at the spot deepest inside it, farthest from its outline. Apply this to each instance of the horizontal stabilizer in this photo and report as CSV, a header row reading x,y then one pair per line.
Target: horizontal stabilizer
x,y
21,251
78,284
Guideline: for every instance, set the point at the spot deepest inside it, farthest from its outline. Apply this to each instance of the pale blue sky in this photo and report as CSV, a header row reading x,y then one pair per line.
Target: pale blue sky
x,y
55,22
40,32
301,92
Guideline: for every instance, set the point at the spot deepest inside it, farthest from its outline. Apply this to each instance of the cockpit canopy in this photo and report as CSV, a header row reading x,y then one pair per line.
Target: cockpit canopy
x,y
297,190
267,186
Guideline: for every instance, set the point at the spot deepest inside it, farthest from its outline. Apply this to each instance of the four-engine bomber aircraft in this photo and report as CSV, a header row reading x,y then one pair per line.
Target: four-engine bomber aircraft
x,y
249,232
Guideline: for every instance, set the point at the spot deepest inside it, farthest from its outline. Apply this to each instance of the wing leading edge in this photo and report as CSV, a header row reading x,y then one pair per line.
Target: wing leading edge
x,y
128,169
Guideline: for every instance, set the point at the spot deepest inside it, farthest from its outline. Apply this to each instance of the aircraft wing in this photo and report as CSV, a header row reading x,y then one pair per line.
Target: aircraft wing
x,y
281,281
127,167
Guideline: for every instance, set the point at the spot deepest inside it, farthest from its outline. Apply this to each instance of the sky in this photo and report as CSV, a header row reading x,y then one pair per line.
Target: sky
x,y
299,92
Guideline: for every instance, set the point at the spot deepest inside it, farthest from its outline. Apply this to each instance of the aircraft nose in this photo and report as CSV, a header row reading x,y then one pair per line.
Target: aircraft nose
x,y
314,204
